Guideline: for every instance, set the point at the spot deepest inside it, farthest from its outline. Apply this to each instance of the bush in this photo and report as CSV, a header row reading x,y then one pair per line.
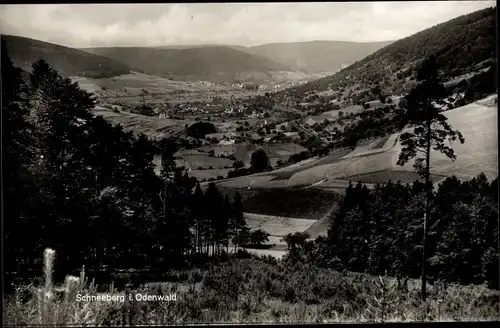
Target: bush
x,y
259,161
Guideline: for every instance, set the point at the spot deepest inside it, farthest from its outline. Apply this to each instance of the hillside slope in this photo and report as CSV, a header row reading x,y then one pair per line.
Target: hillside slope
x,y
317,56
67,61
214,63
461,45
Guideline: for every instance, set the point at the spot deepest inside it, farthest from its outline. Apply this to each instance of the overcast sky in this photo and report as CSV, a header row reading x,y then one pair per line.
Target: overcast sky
x,y
86,25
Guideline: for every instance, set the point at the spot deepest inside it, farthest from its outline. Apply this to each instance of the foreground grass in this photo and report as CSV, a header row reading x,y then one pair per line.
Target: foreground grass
x,y
252,290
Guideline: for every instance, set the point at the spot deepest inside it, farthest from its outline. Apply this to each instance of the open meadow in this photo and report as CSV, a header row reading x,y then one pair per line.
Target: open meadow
x,y
252,289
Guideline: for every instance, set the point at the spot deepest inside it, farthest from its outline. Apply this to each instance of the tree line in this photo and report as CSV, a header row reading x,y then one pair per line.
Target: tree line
x,y
380,232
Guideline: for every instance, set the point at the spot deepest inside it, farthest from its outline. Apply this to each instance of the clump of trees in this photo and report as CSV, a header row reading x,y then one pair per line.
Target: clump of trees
x,y
198,130
143,109
259,161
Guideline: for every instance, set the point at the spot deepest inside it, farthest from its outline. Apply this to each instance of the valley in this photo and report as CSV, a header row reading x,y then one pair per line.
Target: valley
x,y
260,181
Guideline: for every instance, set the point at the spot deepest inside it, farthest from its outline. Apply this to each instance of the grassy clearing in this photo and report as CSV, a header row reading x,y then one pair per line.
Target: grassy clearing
x,y
248,289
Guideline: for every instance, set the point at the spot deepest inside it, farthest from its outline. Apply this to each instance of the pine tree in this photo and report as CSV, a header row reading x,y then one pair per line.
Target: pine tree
x,y
430,131
198,213
214,202
238,224
225,222
60,112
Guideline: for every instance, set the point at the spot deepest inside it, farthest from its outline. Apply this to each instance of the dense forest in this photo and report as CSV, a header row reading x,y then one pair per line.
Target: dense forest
x,y
461,45
88,190
380,231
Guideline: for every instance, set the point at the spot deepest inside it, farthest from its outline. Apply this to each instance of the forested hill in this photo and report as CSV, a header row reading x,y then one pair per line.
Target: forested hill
x,y
67,61
462,45
215,63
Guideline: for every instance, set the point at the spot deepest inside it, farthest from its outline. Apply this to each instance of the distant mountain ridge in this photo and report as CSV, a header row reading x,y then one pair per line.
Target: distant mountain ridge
x,y
217,63
318,56
67,61
309,56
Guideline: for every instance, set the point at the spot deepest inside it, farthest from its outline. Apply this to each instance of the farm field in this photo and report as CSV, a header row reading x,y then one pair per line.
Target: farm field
x,y
380,143
153,127
208,174
354,109
309,176
277,227
376,146
219,149
245,182
135,82
275,151
128,88
195,161
479,153
289,171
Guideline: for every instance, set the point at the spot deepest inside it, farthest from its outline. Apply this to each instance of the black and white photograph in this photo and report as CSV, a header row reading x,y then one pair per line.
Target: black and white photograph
x,y
249,163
